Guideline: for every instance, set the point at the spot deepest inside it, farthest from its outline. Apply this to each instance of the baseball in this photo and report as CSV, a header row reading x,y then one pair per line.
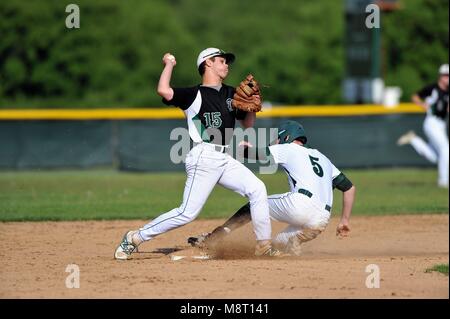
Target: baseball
x,y
171,58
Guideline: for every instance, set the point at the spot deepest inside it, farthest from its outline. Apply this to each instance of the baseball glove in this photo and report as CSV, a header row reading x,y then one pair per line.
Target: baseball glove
x,y
247,96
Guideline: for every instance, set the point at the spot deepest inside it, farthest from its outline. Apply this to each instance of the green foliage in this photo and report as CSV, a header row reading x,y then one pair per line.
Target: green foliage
x,y
96,194
114,59
442,268
415,43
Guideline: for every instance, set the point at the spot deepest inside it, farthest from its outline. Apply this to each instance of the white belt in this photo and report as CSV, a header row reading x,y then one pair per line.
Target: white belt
x,y
215,147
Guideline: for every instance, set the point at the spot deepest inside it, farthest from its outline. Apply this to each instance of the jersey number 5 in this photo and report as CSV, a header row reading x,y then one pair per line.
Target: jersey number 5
x,y
316,166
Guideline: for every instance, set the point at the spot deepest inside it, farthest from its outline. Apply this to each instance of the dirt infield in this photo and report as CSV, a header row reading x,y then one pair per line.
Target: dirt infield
x,y
34,257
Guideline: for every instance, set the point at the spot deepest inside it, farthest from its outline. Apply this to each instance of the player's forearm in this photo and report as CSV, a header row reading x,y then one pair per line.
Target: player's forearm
x,y
164,89
418,101
249,120
347,203
256,153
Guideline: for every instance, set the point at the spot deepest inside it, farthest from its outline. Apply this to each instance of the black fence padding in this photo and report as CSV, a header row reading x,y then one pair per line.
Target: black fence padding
x,y
145,145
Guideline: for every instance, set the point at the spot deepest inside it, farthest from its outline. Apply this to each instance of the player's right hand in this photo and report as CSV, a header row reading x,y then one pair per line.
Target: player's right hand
x,y
245,144
169,59
342,230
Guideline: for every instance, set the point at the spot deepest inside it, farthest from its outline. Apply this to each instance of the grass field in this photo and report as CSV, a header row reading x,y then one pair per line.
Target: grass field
x,y
107,194
441,268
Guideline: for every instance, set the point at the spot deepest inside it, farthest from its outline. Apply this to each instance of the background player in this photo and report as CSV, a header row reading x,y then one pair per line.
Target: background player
x,y
208,111
434,99
307,207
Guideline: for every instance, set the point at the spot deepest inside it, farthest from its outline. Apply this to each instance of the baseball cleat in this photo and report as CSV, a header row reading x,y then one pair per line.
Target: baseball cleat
x,y
406,138
293,246
126,247
199,241
267,250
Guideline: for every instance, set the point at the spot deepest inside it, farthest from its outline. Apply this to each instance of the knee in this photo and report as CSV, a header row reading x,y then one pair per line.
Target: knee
x,y
185,218
261,187
187,214
258,189
190,218
444,151
320,224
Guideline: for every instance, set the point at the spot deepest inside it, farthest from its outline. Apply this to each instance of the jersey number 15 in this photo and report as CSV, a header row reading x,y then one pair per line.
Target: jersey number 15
x,y
213,119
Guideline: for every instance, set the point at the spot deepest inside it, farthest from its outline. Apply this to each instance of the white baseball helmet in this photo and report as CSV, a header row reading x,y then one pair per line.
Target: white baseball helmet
x,y
443,70
212,52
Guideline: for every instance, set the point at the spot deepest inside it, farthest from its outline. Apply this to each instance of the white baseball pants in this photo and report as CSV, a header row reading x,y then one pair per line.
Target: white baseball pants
x,y
299,211
437,150
206,167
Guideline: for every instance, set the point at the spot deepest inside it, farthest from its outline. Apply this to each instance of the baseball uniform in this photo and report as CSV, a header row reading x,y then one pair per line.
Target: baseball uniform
x,y
435,129
208,110
306,208
310,176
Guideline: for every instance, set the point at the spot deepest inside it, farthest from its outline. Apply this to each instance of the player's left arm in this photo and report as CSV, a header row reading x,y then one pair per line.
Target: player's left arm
x,y
249,120
262,154
342,183
347,205
419,97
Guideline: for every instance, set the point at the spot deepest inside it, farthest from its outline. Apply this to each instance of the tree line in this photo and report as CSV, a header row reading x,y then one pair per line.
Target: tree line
x,y
295,48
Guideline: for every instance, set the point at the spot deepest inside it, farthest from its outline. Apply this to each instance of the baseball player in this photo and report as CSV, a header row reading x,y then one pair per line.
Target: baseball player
x,y
208,109
306,208
434,99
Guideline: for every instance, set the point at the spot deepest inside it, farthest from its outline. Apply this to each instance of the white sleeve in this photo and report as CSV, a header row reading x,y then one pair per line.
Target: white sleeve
x,y
278,153
335,172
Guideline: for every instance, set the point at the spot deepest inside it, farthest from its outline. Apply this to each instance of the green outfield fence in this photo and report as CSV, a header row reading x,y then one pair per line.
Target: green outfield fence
x,y
138,139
